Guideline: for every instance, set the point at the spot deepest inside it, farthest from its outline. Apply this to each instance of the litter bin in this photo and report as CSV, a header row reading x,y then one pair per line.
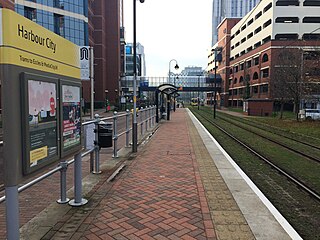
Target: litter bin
x,y
105,134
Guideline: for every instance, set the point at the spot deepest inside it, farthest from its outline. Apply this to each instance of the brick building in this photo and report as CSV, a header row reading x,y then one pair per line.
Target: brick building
x,y
7,4
256,41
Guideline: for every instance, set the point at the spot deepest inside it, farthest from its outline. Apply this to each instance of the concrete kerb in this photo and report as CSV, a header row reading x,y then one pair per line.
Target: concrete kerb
x,y
44,222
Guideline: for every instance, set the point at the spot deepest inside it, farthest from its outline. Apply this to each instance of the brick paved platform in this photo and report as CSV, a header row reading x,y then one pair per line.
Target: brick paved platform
x,y
171,189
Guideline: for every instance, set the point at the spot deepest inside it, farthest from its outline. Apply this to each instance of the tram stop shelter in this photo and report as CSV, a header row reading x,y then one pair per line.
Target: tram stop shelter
x,y
165,91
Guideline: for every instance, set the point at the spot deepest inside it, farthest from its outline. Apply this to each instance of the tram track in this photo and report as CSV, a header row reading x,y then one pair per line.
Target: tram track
x,y
276,142
313,193
278,134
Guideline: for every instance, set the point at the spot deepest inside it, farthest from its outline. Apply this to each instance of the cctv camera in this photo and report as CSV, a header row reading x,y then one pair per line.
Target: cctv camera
x,y
142,1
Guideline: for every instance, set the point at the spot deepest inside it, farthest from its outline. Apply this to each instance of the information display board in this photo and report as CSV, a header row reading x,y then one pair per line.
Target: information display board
x,y
40,121
71,117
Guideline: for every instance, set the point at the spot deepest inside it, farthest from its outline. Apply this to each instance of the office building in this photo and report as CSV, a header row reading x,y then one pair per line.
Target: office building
x,y
106,19
127,79
68,19
228,8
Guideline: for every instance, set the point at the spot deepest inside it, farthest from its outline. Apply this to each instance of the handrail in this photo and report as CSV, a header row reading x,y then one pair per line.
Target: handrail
x,y
59,168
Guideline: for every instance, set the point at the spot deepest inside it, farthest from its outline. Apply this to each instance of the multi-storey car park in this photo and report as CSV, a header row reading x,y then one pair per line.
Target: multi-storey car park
x,y
257,40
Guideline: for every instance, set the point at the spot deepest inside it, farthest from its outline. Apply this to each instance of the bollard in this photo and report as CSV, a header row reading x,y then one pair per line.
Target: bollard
x,y
141,120
78,200
127,127
147,120
96,166
150,117
63,183
115,135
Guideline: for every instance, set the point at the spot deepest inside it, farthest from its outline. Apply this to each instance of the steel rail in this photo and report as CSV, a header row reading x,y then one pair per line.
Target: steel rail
x,y
309,190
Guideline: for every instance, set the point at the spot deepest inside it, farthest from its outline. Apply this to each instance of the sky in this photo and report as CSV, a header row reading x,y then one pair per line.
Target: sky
x,y
171,29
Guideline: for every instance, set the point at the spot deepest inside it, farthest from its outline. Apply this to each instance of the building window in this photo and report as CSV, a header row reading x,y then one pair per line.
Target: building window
x,y
237,33
267,7
257,44
255,76
264,88
242,52
243,27
248,64
267,23
267,39
311,3
250,35
265,73
288,36
249,49
287,20
248,77
311,20
241,66
250,22
235,81
59,24
258,15
237,44
265,58
287,3
311,36
236,69
30,13
241,79
243,40
255,89
257,30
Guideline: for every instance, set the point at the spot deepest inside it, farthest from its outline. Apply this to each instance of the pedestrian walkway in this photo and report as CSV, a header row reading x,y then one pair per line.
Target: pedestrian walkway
x,y
171,189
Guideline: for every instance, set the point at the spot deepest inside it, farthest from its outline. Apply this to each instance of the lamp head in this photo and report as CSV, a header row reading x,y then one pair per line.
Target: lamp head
x,y
142,1
176,67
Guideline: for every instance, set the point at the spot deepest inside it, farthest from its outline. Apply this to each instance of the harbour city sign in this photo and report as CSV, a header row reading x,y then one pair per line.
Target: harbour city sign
x,y
36,38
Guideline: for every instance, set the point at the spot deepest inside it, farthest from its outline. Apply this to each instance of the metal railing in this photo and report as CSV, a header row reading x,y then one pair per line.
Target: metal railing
x,y
147,115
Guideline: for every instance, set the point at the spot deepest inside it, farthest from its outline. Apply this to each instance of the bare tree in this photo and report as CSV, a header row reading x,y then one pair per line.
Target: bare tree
x,y
287,80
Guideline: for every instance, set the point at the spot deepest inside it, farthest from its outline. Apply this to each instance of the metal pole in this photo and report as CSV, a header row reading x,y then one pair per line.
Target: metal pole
x,y
63,183
127,127
168,106
92,82
12,213
174,98
157,106
198,92
134,122
215,84
141,120
115,135
97,148
78,200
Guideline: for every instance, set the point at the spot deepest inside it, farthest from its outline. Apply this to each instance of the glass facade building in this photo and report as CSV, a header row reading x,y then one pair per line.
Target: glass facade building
x,y
68,18
229,8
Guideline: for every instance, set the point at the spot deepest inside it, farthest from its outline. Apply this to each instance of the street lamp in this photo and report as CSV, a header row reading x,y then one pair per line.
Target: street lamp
x,y
215,79
176,67
134,122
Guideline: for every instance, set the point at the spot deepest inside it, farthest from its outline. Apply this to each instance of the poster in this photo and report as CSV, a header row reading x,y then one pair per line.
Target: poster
x,y
42,119
71,108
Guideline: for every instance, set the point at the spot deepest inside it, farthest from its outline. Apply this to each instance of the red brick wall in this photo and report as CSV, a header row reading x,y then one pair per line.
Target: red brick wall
x,y
7,4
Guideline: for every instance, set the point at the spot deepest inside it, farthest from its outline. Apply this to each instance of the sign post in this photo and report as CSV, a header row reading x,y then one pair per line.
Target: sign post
x,y
35,63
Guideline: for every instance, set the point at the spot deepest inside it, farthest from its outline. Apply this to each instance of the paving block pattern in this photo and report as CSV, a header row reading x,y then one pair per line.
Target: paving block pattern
x,y
160,195
228,220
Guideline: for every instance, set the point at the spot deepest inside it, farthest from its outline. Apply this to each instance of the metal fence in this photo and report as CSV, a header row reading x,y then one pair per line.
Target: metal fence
x,y
146,120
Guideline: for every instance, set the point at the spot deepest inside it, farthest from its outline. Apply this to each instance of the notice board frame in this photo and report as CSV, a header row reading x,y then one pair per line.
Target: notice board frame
x,y
77,147
33,131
